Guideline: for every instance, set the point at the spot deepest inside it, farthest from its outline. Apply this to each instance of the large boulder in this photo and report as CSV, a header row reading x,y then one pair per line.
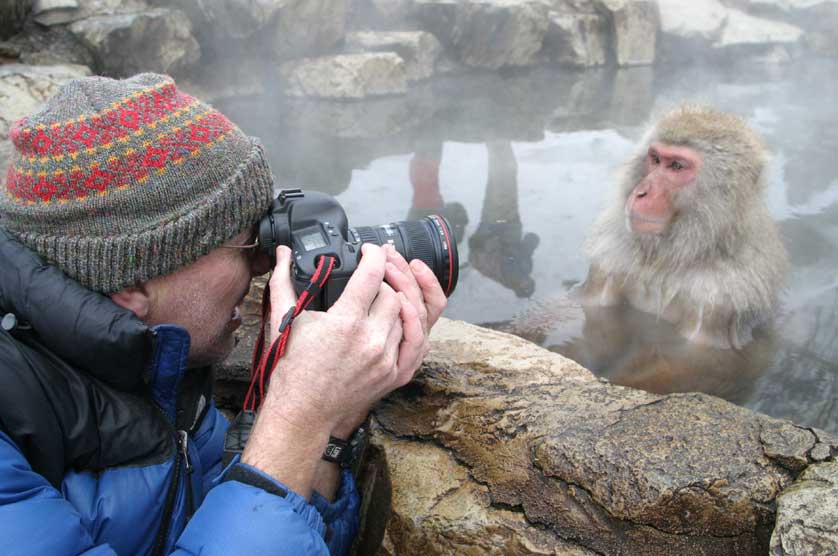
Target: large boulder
x,y
380,14
124,43
22,90
718,30
577,39
12,15
281,29
634,28
693,21
218,22
345,76
61,12
307,27
818,17
807,514
38,45
500,447
54,12
419,50
487,33
742,29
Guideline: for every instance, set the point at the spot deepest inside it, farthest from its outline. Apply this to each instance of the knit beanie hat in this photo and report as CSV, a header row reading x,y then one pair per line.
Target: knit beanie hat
x,y
119,181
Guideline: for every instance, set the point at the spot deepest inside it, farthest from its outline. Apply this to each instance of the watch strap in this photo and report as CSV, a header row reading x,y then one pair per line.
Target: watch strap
x,y
337,451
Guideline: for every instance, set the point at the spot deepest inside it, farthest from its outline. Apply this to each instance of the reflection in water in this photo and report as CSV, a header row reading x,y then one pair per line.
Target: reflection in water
x,y
451,150
499,249
427,198
802,382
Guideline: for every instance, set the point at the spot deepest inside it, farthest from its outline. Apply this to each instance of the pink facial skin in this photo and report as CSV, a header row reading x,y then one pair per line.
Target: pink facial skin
x,y
668,168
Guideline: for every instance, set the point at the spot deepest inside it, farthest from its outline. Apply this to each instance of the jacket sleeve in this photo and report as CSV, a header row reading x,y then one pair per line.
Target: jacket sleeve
x,y
241,518
254,512
340,516
35,519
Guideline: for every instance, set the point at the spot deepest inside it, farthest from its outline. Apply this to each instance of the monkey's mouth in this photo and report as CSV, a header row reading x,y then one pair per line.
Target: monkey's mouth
x,y
641,224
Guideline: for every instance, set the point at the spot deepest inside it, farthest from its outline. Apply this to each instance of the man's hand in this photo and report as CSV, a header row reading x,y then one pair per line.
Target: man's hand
x,y
339,362
421,288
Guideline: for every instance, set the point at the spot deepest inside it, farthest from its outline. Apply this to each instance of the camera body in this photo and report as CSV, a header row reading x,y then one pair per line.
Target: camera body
x,y
314,225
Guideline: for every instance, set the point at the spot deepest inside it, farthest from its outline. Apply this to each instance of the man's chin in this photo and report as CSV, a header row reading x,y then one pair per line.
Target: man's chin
x,y
218,352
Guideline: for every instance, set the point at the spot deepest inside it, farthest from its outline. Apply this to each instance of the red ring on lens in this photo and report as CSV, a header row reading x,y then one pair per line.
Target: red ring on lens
x,y
442,225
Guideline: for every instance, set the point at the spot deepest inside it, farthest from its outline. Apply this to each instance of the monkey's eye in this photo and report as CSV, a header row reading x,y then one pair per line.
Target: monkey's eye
x,y
655,158
676,165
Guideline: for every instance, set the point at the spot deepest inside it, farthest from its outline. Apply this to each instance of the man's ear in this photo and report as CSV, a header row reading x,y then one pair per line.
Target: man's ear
x,y
135,299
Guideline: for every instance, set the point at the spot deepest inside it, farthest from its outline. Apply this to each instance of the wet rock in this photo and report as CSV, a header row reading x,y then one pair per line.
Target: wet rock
x,y
818,17
634,27
49,46
428,485
418,49
282,30
380,14
575,39
22,89
501,435
742,29
61,12
53,12
157,39
218,21
573,6
307,27
12,15
693,21
807,514
346,76
487,33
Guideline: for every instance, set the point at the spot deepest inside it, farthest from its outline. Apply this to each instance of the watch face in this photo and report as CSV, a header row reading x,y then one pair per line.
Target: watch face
x,y
333,451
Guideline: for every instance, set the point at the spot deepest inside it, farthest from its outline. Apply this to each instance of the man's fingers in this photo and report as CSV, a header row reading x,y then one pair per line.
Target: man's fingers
x,y
283,295
401,278
414,342
386,307
362,287
394,339
435,300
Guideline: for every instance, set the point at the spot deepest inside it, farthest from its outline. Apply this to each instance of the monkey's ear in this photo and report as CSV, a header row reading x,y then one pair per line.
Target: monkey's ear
x,y
135,299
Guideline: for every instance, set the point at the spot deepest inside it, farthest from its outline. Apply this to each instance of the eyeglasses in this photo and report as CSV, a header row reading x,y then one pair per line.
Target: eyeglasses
x,y
251,246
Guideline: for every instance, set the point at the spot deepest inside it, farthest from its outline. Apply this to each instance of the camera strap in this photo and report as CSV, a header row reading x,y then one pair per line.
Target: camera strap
x,y
263,363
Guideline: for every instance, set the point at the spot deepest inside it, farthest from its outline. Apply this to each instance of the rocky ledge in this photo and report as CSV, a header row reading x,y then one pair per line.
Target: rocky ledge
x,y
500,447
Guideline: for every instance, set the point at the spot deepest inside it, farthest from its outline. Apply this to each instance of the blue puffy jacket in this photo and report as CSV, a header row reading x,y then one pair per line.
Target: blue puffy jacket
x,y
109,446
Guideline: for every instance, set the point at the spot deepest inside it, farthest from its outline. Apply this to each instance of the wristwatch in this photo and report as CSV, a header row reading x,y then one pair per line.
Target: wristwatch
x,y
347,452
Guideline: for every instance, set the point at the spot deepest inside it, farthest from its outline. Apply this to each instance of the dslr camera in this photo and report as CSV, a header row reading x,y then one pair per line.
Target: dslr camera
x,y
314,225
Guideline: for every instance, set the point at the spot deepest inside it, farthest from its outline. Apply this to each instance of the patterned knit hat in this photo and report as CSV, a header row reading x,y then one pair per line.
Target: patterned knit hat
x,y
119,181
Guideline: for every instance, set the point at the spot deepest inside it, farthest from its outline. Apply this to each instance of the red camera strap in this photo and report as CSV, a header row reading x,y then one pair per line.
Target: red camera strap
x,y
263,363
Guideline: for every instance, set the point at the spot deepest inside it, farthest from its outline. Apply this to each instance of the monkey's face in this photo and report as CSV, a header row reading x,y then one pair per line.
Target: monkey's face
x,y
667,171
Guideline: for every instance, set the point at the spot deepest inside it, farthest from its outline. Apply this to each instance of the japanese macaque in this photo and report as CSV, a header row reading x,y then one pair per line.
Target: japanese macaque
x,y
689,237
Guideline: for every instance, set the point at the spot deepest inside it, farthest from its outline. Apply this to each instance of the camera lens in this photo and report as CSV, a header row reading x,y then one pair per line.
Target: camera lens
x,y
429,239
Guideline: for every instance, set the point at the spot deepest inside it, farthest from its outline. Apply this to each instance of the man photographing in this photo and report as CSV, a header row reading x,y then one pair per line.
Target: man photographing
x,y
124,225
